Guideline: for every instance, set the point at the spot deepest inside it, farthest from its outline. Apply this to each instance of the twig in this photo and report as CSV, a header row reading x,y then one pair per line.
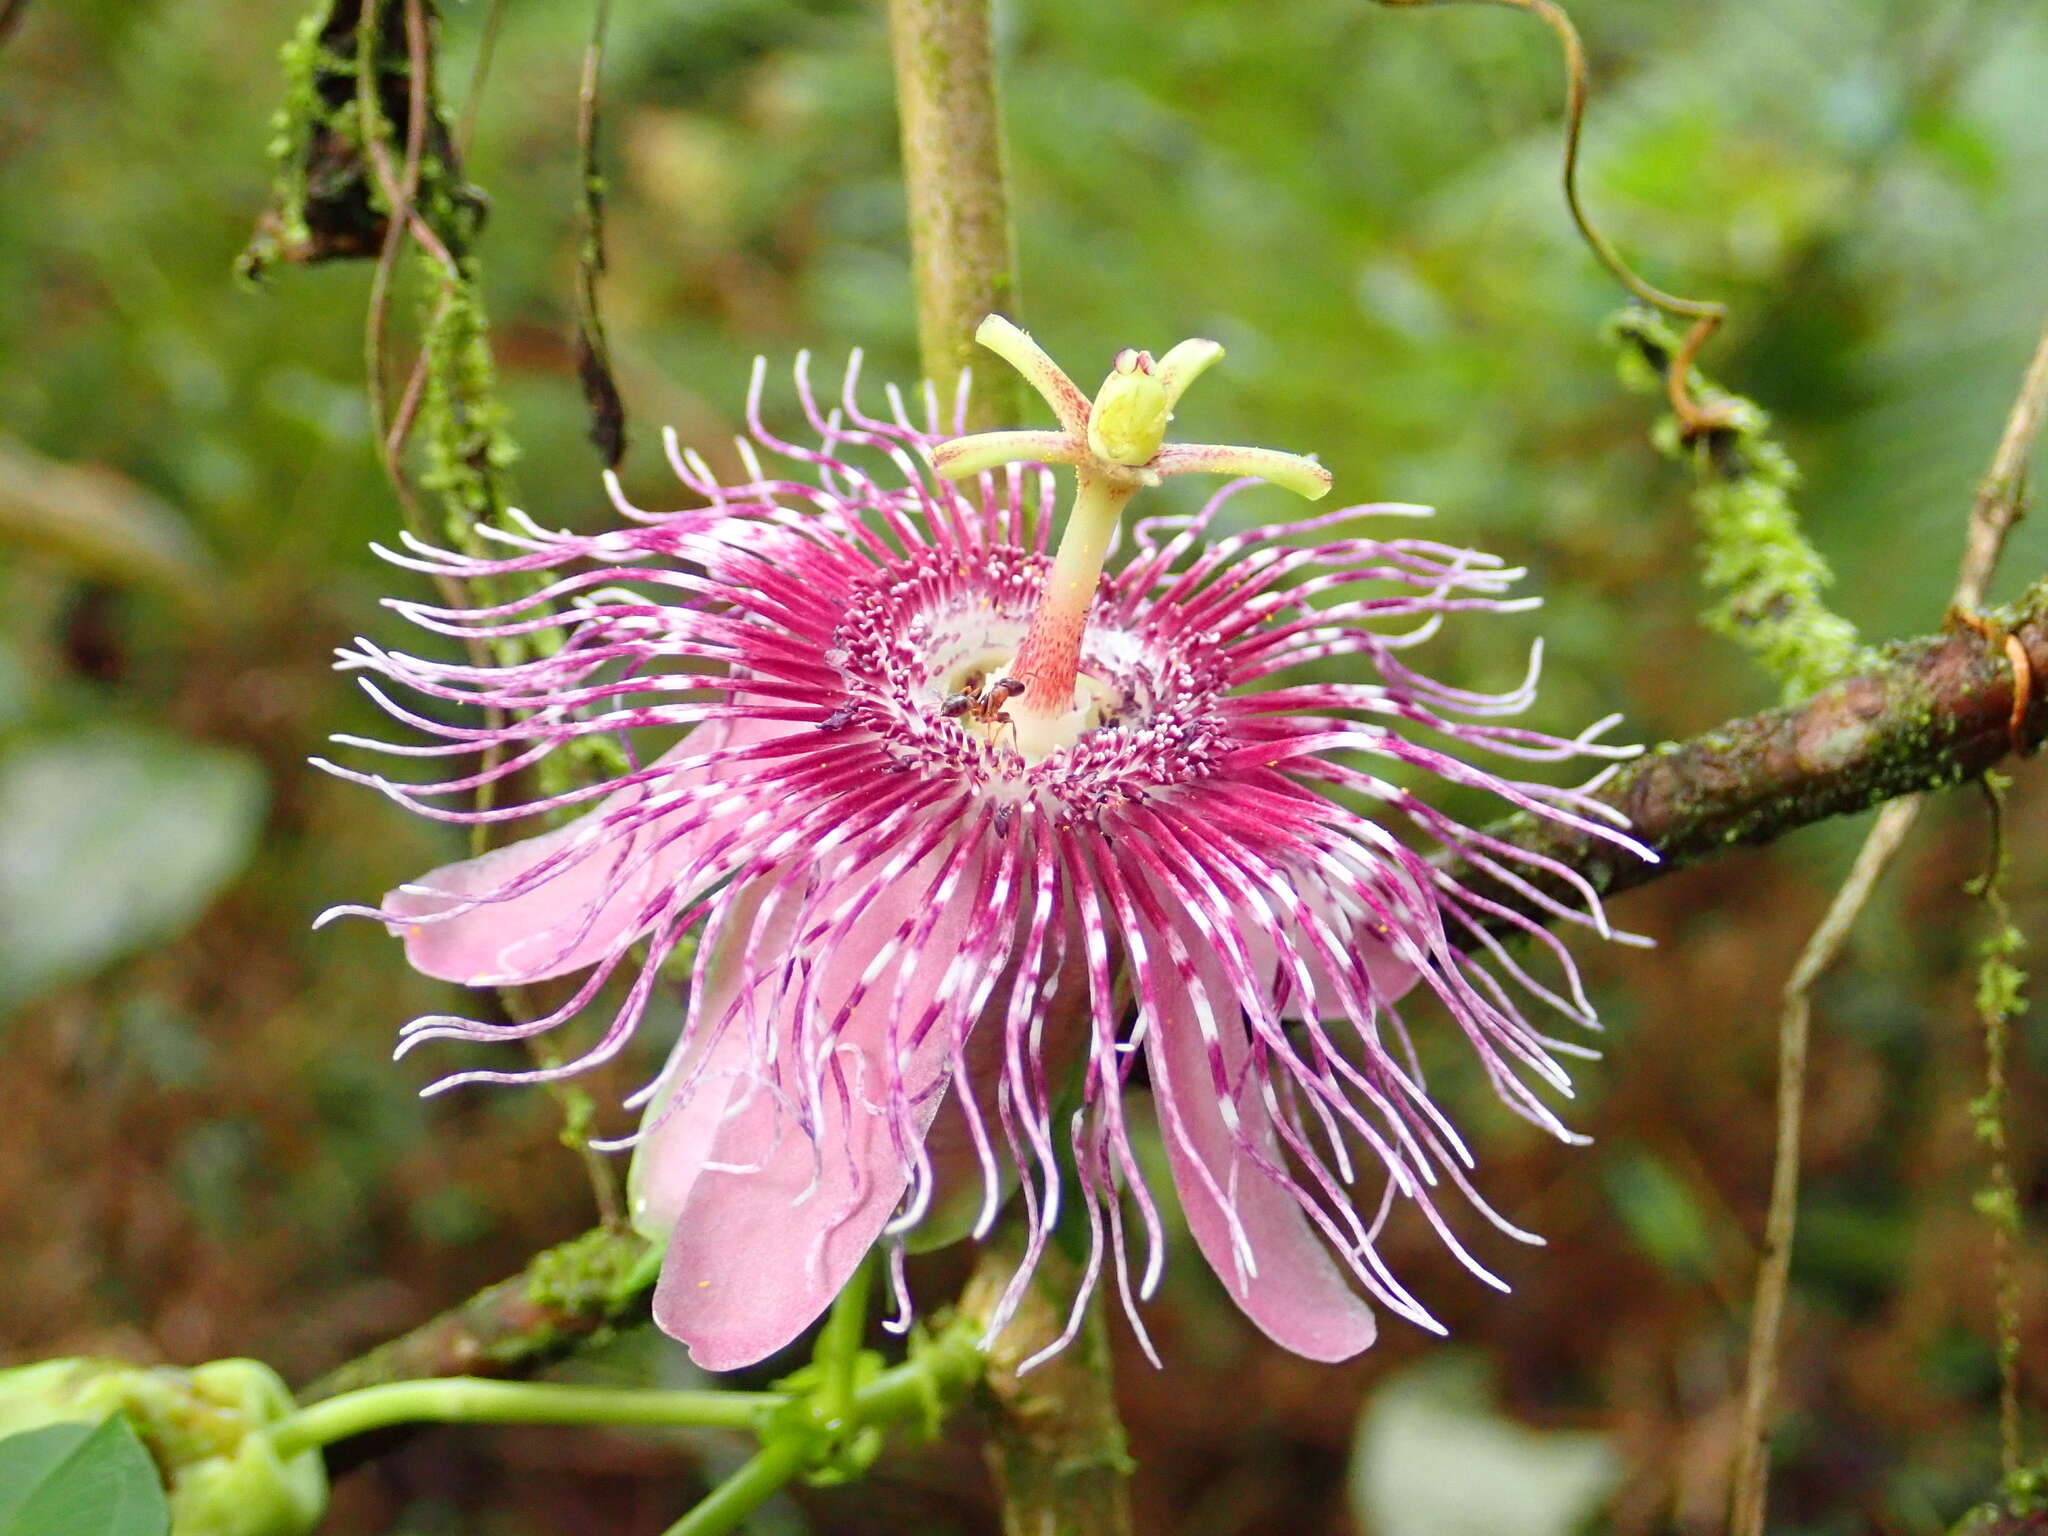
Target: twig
x,y
400,194
593,351
963,254
2001,495
486,54
1992,516
1752,1451
398,197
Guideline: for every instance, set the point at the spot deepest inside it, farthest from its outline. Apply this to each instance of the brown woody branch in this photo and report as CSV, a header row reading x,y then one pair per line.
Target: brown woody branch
x,y
1935,711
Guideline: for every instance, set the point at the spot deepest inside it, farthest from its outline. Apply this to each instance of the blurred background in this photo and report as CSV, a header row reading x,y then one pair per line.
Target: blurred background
x,y
208,1151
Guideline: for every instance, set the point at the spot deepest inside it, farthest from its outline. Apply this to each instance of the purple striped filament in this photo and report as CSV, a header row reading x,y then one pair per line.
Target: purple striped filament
x,y
927,968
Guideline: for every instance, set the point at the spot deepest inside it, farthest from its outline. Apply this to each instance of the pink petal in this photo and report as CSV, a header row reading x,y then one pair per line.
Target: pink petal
x,y
760,1252
1299,1297
959,1178
711,1058
550,930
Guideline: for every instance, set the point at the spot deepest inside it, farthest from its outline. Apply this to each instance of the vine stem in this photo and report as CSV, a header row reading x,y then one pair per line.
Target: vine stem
x,y
936,1373
472,1400
962,247
1992,515
763,1475
1706,315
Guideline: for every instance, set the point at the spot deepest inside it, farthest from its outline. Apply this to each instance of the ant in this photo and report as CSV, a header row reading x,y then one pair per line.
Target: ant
x,y
984,706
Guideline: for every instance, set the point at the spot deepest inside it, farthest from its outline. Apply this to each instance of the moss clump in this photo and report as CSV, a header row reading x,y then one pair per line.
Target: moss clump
x,y
590,1274
463,424
1765,580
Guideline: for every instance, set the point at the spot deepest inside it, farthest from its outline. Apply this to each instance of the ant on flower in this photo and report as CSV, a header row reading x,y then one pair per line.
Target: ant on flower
x,y
984,705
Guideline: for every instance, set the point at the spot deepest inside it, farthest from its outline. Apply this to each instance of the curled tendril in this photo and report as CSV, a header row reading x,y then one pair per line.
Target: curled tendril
x,y
1694,418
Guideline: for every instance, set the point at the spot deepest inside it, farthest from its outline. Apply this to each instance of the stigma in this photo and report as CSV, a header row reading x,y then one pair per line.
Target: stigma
x,y
1116,444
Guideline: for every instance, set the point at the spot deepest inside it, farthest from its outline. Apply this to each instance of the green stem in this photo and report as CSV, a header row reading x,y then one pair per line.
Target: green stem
x,y
938,1372
838,1348
764,1474
471,1400
946,1366
963,253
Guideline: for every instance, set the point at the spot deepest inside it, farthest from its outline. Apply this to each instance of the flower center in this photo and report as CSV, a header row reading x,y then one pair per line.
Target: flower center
x,y
983,695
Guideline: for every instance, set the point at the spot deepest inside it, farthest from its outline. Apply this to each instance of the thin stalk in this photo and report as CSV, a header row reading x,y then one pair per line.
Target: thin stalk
x,y
471,1400
1760,1381
2001,497
838,1348
766,1473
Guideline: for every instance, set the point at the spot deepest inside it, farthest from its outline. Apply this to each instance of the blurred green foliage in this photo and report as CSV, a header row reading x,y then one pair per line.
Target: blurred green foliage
x,y
1361,205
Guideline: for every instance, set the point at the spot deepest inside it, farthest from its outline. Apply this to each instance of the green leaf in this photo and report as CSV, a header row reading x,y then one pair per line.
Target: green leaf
x,y
80,1480
115,839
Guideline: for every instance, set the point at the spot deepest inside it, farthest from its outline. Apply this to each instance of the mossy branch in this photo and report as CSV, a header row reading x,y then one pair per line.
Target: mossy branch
x,y
567,1295
1926,714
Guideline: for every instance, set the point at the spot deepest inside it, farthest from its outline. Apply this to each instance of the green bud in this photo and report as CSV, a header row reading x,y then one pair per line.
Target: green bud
x,y
205,1427
1128,423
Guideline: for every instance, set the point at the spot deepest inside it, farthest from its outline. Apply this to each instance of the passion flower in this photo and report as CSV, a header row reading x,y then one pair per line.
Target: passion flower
x,y
967,829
